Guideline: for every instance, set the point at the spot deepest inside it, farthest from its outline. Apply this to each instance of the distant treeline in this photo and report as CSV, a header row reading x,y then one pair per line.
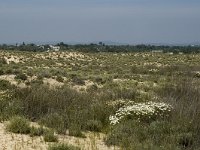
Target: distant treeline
x,y
101,47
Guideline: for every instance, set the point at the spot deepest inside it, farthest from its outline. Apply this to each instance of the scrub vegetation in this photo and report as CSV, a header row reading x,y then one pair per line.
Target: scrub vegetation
x,y
105,100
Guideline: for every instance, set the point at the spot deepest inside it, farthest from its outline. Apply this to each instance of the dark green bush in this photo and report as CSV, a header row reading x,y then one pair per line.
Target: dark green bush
x,y
5,85
21,76
78,81
1,71
55,121
93,125
75,130
18,125
60,79
3,61
8,71
44,74
36,81
50,137
37,131
63,147
185,140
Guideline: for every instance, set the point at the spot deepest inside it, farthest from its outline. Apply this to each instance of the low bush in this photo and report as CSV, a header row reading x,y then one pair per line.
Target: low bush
x,y
3,61
18,125
147,112
50,137
75,130
63,147
60,79
37,82
78,81
5,85
44,74
8,71
55,121
21,76
93,125
1,71
37,131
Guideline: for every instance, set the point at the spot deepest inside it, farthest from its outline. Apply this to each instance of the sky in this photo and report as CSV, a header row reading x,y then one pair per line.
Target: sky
x,y
123,21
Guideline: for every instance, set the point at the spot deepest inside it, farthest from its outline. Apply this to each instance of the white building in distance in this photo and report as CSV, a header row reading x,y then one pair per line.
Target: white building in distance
x,y
54,48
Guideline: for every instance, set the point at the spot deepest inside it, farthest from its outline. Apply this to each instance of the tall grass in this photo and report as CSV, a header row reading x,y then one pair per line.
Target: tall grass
x,y
185,98
61,108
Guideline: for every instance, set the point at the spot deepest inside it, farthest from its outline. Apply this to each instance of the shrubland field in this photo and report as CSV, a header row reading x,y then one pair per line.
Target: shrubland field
x,y
99,100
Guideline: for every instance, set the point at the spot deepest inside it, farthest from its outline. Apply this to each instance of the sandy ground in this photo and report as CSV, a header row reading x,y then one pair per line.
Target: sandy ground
x,y
52,82
11,79
11,141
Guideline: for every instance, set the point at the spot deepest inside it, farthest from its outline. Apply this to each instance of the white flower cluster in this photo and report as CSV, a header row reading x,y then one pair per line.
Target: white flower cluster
x,y
140,110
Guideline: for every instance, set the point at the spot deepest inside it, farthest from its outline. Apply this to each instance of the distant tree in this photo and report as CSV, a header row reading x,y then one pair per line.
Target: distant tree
x,y
62,44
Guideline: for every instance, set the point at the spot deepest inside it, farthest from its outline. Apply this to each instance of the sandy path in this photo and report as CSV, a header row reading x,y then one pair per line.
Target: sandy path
x,y
11,141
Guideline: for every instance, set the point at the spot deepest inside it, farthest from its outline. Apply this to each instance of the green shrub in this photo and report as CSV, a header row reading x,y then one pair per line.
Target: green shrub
x,y
4,85
17,72
21,76
99,80
60,79
137,135
8,71
34,131
92,88
1,71
9,107
44,74
94,125
78,81
63,147
55,121
185,140
36,81
3,61
75,130
50,137
18,125
40,77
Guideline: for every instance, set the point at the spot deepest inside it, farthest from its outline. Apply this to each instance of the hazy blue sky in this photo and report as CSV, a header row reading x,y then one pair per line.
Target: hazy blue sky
x,y
128,21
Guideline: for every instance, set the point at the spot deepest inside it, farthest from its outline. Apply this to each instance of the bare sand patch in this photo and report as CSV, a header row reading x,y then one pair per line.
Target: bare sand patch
x,y
10,78
52,82
11,141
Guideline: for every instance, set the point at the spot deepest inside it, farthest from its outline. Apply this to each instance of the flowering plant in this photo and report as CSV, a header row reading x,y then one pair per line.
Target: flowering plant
x,y
139,111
